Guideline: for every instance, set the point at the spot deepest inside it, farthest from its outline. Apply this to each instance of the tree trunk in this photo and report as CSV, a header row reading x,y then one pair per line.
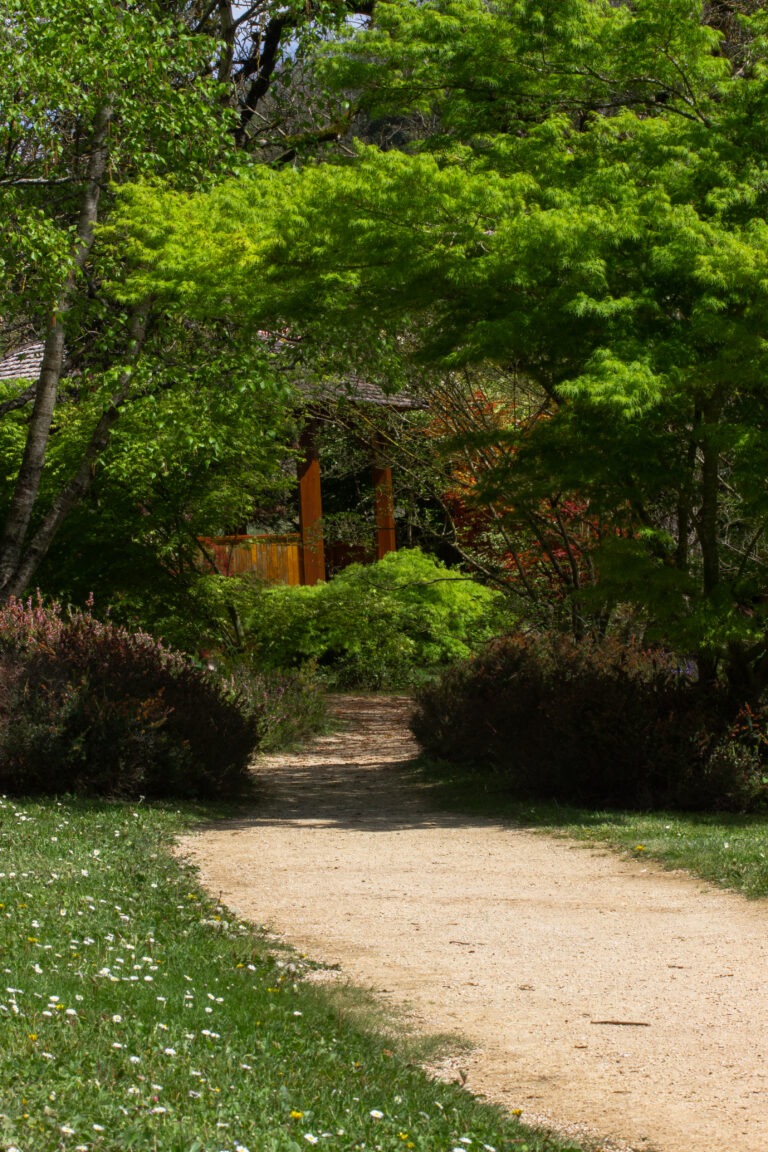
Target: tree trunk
x,y
706,529
30,473
79,484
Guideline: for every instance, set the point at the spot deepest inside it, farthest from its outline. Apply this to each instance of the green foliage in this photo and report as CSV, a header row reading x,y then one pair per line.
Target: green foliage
x,y
618,261
90,708
196,449
600,723
290,704
61,62
376,626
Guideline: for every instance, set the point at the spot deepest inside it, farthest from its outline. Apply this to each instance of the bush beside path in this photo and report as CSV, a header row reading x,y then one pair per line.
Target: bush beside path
x,y
601,994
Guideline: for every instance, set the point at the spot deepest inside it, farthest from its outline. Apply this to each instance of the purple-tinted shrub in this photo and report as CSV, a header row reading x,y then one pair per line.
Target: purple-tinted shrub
x,y
88,707
290,705
598,723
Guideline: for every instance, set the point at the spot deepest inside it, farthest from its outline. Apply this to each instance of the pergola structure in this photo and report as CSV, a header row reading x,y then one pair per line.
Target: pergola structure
x,y
312,544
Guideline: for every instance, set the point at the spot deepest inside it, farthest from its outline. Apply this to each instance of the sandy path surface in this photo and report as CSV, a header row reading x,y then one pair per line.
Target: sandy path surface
x,y
533,948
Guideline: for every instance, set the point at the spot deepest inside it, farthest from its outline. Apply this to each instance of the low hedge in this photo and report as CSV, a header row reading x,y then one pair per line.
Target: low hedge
x,y
87,707
597,723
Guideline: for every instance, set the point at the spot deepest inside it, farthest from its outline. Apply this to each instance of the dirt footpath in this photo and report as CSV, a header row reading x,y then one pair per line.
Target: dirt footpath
x,y
600,993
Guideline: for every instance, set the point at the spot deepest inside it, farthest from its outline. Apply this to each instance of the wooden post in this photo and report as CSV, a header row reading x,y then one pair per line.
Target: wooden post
x,y
310,510
383,503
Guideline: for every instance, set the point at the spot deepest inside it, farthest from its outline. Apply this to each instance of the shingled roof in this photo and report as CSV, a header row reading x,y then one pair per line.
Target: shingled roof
x,y
23,364
359,391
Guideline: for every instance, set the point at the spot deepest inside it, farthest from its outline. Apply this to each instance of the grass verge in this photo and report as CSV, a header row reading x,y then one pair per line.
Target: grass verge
x,y
728,850
137,1014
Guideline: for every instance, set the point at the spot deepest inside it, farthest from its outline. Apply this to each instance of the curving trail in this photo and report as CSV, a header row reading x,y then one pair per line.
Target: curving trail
x,y
534,948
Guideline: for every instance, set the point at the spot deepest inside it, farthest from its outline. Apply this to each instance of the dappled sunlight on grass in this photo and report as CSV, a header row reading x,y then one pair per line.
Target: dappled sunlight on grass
x,y
138,1013
724,848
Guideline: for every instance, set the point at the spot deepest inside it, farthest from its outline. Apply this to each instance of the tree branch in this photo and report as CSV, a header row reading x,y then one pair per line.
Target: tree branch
x,y
19,401
79,484
30,472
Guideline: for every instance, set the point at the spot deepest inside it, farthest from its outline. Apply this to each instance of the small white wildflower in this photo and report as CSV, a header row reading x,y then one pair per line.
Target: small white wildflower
x,y
377,1115
117,1019
98,1127
169,1051
310,1138
135,1059
66,1130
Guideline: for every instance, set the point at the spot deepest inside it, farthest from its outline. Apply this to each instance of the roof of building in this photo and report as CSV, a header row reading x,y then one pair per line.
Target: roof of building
x,y
360,391
23,364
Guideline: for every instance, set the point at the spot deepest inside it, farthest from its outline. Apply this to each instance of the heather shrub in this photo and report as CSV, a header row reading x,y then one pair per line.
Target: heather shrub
x,y
88,707
597,723
290,705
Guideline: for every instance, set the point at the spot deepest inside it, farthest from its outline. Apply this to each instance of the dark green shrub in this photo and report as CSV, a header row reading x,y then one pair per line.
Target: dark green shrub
x,y
597,723
88,707
375,626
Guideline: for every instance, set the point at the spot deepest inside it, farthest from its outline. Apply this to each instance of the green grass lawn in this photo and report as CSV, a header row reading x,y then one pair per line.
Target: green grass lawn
x,y
138,1014
729,850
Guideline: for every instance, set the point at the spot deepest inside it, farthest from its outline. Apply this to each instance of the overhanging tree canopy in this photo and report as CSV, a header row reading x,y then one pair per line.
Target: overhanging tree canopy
x,y
589,209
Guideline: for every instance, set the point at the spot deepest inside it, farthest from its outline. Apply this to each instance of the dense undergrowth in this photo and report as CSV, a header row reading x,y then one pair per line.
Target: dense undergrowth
x,y
599,724
139,1014
91,708
387,625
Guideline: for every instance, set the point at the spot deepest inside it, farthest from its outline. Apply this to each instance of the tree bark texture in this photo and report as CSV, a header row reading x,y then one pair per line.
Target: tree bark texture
x,y
30,473
79,484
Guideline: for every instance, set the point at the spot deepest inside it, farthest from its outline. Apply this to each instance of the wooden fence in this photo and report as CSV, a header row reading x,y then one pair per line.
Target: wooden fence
x,y
275,559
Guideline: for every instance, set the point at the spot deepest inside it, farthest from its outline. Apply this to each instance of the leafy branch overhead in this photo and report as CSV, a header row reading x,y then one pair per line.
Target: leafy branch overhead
x,y
584,203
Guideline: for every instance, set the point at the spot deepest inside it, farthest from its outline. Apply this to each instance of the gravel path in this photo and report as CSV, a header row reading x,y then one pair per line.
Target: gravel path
x,y
602,995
